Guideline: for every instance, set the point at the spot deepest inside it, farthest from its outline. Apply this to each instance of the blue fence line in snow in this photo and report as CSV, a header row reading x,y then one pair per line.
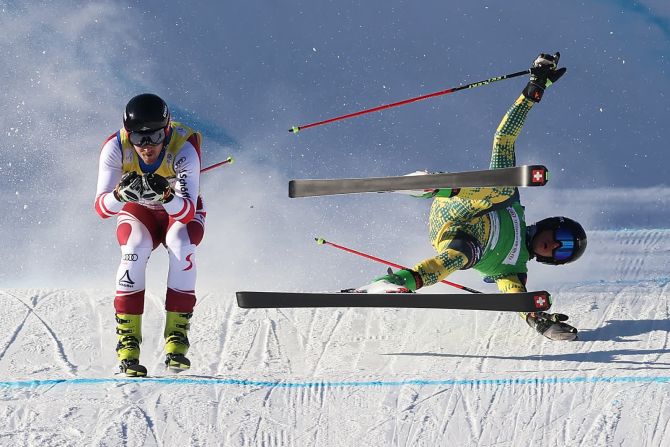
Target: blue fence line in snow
x,y
344,384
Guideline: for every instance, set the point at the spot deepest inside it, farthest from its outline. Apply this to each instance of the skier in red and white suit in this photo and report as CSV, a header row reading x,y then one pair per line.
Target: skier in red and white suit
x,y
149,178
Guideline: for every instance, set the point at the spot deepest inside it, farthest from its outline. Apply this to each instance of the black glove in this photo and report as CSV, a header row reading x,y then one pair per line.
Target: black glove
x,y
156,188
552,326
543,73
129,188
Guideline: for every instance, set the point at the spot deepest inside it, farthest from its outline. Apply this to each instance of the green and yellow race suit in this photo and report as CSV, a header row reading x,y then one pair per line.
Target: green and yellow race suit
x,y
483,228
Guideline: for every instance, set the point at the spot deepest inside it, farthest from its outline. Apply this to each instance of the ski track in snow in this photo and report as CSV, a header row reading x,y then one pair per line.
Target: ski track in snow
x,y
341,377
24,328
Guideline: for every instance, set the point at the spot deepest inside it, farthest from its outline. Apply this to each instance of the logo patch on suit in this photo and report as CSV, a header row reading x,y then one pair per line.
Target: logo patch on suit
x,y
125,280
190,263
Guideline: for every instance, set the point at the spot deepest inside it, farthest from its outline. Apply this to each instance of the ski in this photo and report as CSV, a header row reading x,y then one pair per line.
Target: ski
x,y
512,302
526,175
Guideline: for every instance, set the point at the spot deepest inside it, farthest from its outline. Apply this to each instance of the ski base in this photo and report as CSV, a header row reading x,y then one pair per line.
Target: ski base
x,y
511,302
526,175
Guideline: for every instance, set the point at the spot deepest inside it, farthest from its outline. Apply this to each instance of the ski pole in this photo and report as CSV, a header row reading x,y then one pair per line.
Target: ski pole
x,y
296,129
216,165
322,241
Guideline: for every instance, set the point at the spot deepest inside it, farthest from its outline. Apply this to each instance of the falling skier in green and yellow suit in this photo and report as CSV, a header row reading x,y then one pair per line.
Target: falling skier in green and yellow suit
x,y
485,229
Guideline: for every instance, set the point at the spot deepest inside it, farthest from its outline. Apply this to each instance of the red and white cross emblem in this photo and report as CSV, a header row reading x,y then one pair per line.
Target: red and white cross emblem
x,y
540,301
538,175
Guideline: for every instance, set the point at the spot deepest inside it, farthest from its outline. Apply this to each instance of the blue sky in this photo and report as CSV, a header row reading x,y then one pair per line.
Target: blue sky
x,y
244,72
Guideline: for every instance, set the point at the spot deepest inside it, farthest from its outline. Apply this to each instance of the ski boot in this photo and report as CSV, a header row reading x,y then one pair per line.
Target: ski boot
x,y
129,334
551,326
176,340
132,368
402,281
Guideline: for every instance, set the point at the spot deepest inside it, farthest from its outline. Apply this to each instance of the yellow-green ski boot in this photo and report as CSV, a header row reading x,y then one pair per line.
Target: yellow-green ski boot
x,y
129,334
176,340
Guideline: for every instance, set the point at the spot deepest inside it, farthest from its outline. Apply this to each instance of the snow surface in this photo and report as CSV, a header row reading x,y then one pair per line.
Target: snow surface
x,y
343,377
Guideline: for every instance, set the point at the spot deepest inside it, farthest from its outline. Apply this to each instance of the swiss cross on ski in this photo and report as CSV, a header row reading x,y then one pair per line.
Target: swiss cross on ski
x,y
539,175
542,301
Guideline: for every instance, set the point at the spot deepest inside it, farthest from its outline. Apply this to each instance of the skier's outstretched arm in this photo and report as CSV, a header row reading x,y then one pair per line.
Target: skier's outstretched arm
x,y
434,270
503,154
543,74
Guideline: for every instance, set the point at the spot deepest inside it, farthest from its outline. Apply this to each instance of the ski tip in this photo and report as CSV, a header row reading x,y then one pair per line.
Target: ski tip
x,y
539,175
230,160
291,189
542,300
294,129
320,240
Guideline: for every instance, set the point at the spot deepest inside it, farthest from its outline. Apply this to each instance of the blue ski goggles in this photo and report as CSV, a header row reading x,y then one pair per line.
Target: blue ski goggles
x,y
148,138
566,249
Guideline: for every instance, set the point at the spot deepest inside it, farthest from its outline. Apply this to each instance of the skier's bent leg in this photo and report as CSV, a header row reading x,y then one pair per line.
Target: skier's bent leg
x,y
181,241
136,246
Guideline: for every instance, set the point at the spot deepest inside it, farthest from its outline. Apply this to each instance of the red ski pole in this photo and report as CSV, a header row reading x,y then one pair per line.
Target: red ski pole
x,y
296,129
216,165
389,263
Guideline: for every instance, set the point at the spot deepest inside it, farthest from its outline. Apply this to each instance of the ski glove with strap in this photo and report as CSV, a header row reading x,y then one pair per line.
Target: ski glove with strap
x,y
129,188
156,188
552,326
543,73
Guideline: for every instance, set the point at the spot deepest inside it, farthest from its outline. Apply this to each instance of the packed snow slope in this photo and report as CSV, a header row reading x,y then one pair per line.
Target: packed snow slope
x,y
347,376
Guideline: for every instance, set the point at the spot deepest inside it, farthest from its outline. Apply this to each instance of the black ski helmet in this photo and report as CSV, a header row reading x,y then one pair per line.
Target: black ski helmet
x,y
567,232
146,112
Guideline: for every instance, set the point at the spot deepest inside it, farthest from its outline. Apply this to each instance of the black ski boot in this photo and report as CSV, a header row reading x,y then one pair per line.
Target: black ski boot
x,y
552,326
